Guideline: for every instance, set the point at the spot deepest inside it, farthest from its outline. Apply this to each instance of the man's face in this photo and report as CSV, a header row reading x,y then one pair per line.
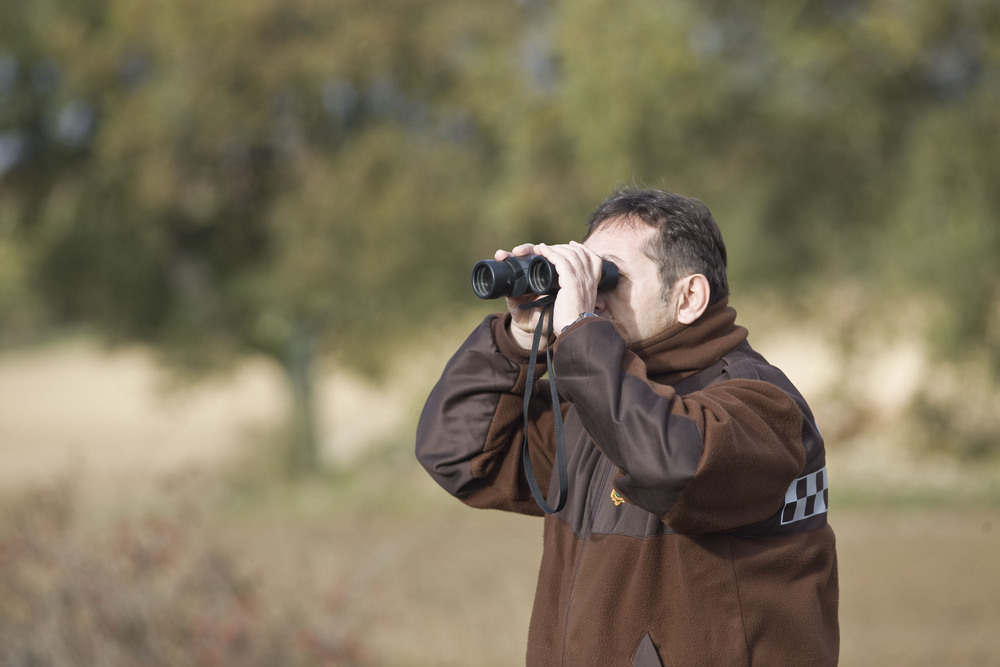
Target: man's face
x,y
637,302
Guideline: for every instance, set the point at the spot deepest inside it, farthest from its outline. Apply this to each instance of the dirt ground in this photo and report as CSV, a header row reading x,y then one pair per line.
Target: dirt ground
x,y
448,585
425,580
70,406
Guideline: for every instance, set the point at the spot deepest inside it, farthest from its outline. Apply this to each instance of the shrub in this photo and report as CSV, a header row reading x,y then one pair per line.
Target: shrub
x,y
151,591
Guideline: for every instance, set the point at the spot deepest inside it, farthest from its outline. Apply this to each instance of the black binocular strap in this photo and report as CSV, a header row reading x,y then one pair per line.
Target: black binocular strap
x,y
548,308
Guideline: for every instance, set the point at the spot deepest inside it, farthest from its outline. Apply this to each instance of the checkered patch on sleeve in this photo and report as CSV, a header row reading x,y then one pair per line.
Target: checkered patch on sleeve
x,y
807,496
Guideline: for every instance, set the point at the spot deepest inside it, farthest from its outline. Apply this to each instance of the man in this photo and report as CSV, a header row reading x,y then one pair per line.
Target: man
x,y
694,530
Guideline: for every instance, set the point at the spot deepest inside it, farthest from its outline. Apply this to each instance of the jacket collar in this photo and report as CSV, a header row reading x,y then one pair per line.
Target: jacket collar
x,y
685,349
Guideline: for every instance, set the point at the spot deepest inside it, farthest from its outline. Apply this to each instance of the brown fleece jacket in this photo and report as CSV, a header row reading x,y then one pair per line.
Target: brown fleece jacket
x,y
694,531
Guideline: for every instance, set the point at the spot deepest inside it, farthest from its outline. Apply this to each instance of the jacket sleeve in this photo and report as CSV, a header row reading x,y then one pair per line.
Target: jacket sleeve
x,y
471,430
710,461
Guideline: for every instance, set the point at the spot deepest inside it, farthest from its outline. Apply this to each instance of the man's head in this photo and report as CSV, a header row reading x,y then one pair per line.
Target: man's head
x,y
688,240
670,255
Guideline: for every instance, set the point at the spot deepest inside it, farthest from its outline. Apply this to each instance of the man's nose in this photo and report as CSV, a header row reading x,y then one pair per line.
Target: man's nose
x,y
599,306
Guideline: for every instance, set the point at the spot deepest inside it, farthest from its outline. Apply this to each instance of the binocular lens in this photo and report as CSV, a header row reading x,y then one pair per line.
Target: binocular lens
x,y
484,281
492,279
542,277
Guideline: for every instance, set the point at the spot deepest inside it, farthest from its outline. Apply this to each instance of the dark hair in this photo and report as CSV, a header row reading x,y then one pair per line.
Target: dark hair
x,y
689,240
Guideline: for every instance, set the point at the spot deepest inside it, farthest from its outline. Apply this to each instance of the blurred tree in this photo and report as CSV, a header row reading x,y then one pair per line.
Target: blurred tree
x,y
836,141
297,179
35,149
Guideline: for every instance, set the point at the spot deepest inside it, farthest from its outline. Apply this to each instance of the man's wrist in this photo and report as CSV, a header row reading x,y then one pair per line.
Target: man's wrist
x,y
524,339
584,315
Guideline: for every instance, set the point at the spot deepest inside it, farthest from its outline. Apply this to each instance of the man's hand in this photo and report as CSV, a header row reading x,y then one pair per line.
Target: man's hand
x,y
579,270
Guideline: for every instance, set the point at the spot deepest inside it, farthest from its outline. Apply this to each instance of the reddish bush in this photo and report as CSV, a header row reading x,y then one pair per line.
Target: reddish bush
x,y
147,592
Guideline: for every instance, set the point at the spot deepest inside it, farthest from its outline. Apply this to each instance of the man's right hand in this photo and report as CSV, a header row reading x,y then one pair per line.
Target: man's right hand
x,y
523,322
579,270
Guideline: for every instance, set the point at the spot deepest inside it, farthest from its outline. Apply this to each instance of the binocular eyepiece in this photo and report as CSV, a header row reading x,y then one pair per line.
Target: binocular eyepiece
x,y
532,274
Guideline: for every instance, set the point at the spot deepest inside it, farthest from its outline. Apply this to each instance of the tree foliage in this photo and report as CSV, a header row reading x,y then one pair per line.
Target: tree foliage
x,y
285,178
312,179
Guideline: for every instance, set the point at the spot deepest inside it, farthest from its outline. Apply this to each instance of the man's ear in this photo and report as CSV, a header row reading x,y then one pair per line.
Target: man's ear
x,y
692,293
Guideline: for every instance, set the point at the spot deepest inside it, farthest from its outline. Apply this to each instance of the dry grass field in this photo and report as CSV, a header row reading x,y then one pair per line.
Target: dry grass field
x,y
372,559
443,585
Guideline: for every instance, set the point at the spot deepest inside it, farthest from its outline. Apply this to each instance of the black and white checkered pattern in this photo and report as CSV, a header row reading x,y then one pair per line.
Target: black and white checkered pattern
x,y
807,496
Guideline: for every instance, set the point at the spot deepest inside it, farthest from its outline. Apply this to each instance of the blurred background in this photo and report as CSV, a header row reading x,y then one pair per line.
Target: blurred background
x,y
235,246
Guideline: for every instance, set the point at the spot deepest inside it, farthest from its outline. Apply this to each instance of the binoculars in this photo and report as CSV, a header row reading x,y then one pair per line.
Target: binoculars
x,y
532,274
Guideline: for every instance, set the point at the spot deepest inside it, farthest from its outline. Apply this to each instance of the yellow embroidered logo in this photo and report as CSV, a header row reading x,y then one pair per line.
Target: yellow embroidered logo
x,y
616,497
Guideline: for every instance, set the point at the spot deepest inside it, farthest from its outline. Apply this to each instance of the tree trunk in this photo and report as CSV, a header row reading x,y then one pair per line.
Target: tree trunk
x,y
303,458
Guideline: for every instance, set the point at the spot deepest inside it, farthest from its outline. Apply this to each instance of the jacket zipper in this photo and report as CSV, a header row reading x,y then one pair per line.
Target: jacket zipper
x,y
591,508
